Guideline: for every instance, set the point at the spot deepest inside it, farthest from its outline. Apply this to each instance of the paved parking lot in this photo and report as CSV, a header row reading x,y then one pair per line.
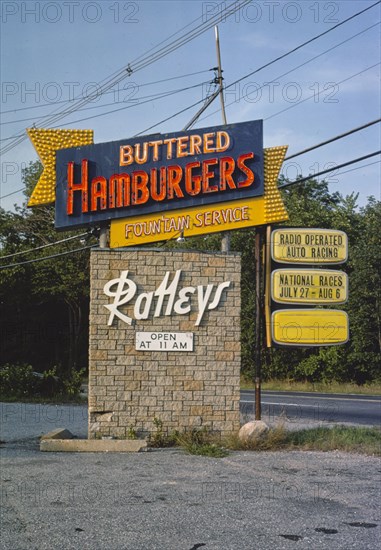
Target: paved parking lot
x,y
166,499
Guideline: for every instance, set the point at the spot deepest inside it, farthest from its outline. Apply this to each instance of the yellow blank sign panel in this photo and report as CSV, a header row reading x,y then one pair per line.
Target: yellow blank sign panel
x,y
309,327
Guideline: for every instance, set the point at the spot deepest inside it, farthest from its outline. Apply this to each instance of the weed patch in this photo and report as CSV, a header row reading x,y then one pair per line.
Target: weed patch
x,y
202,442
342,438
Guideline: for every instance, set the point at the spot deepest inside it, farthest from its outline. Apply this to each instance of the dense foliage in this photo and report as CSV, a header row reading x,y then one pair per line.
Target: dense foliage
x,y
45,305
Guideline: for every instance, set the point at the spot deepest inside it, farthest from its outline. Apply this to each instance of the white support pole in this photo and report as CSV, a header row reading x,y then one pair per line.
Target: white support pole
x,y
225,243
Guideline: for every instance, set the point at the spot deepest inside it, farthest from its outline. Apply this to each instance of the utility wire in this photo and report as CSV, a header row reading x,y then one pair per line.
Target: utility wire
x,y
47,257
107,83
257,70
358,167
200,101
274,80
340,136
313,95
301,180
138,101
22,137
179,42
105,93
13,193
270,82
43,246
336,138
303,44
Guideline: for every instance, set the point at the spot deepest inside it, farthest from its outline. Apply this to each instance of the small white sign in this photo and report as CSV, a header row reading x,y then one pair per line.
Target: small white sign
x,y
164,341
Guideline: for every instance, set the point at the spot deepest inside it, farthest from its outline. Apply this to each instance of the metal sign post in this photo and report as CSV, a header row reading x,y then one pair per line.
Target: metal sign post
x,y
258,322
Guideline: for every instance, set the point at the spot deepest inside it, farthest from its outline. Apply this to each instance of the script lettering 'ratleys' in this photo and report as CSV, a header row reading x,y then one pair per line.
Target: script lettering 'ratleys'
x,y
123,290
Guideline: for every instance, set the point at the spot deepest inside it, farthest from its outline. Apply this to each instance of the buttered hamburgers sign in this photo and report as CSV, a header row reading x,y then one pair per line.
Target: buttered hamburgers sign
x,y
158,173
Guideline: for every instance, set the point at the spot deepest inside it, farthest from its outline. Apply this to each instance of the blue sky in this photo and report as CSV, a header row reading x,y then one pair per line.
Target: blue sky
x,y
53,50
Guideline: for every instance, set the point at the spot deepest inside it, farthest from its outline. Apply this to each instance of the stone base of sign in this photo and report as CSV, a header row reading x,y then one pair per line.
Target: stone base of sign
x,y
93,445
142,391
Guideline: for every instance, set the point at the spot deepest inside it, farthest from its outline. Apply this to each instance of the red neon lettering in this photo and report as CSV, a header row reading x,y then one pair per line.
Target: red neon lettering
x,y
120,189
206,176
195,142
175,174
227,166
99,192
126,155
141,157
192,181
245,169
73,187
155,194
139,187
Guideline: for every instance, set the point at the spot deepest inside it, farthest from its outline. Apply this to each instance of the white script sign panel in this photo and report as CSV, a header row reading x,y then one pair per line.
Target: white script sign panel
x,y
164,341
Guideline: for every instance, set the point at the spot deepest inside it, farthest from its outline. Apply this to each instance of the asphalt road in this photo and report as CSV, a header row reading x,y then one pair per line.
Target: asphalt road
x,y
295,408
168,500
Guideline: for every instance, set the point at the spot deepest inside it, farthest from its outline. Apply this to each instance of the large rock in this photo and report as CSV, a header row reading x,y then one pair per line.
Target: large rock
x,y
253,430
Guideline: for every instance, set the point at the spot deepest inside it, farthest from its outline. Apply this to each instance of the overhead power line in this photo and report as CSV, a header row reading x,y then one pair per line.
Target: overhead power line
x,y
271,116
13,193
340,136
301,180
358,167
213,112
321,144
23,252
263,67
181,41
51,103
303,44
150,98
274,80
126,71
47,257
314,95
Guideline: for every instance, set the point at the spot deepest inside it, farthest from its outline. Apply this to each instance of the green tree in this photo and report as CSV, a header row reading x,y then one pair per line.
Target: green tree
x,y
364,306
46,303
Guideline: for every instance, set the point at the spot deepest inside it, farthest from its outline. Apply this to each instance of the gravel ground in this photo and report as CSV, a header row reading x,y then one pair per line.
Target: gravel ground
x,y
168,500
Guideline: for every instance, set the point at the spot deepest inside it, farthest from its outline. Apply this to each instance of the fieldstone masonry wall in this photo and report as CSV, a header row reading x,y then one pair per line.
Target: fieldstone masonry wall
x,y
130,388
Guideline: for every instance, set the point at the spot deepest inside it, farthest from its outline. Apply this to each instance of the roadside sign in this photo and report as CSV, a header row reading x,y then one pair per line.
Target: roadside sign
x,y
309,327
309,246
309,286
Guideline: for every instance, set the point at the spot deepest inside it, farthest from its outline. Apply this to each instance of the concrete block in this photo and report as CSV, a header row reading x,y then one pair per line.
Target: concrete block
x,y
93,445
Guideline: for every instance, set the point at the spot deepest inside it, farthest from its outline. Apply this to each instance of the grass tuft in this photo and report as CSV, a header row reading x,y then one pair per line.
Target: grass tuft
x,y
201,442
350,439
274,439
343,438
